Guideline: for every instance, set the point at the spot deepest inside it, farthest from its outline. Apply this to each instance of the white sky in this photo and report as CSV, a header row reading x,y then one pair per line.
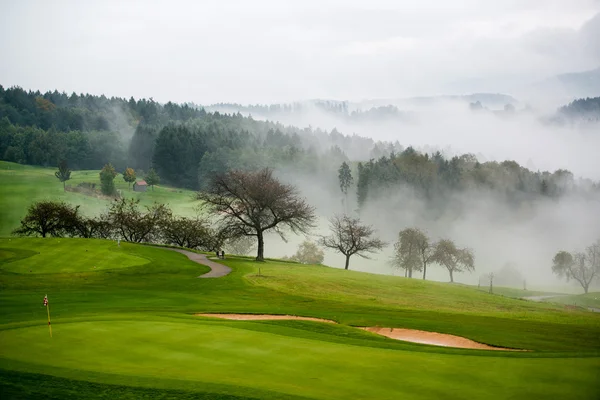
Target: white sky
x,y
272,51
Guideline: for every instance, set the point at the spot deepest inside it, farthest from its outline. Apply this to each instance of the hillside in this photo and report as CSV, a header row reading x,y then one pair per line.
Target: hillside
x,y
22,185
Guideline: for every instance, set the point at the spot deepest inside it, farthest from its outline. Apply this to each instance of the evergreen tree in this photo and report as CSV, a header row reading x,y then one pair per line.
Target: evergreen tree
x,y
152,178
107,177
64,173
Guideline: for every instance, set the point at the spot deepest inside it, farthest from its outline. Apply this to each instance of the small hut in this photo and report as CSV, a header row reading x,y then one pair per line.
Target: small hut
x,y
140,186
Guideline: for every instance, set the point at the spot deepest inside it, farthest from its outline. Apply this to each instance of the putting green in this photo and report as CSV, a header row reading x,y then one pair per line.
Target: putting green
x,y
210,353
81,255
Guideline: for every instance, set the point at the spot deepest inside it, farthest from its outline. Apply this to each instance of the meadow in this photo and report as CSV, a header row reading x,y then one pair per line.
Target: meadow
x,y
22,184
126,329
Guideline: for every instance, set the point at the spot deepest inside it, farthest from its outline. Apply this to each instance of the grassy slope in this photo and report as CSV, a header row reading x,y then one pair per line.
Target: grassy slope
x,y
128,326
582,300
20,185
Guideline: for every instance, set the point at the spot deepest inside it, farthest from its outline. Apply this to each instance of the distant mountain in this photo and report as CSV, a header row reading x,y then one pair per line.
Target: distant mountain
x,y
571,86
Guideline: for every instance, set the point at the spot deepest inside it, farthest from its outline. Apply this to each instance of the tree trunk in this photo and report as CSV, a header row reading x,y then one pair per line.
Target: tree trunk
x,y
451,276
261,247
348,263
585,288
410,273
424,270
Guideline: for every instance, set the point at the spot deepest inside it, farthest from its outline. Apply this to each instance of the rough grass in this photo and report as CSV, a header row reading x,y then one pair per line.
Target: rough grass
x,y
123,331
582,300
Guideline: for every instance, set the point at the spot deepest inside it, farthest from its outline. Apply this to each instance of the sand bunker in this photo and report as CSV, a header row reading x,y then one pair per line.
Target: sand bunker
x,y
407,335
264,317
433,338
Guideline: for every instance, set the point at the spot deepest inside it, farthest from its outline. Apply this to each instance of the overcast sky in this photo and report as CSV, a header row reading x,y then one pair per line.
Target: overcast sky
x,y
272,51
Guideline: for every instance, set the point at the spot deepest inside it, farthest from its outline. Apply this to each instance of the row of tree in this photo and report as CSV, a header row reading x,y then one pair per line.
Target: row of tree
x,y
107,176
125,219
414,251
433,175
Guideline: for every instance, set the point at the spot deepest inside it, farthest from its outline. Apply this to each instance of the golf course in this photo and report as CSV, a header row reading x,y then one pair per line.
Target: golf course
x,y
124,325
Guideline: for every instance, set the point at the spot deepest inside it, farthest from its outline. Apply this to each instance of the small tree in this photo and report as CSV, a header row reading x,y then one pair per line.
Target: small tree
x,y
152,178
64,173
100,228
350,236
129,176
252,203
346,180
241,245
134,225
490,277
454,259
308,253
48,218
107,177
582,267
193,233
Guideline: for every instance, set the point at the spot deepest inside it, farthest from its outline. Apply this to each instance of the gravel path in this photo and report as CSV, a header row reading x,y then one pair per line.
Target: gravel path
x,y
216,270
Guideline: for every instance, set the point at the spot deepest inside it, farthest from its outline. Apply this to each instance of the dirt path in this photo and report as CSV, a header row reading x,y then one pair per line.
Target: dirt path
x,y
407,335
216,270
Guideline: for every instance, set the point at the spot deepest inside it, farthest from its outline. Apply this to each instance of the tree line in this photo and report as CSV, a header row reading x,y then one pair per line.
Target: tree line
x,y
433,175
186,146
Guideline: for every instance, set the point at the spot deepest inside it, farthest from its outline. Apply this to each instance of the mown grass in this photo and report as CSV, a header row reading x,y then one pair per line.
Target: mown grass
x,y
127,330
21,185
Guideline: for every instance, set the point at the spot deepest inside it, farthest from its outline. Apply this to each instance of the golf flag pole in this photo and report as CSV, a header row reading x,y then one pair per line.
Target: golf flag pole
x,y
48,309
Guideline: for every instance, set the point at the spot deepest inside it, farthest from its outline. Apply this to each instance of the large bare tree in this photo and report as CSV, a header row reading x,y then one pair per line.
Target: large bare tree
x,y
350,236
454,259
252,203
582,267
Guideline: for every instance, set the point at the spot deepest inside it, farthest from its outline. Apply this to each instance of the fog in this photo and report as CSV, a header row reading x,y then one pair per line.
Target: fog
x,y
525,235
402,54
454,129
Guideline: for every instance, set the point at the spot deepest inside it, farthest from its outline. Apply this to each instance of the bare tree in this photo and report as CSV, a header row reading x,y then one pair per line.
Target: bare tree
x,y
349,236
454,259
192,233
582,267
133,224
490,277
252,203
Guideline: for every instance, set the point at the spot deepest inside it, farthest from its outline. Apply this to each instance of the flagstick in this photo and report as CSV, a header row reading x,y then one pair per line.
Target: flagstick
x,y
49,326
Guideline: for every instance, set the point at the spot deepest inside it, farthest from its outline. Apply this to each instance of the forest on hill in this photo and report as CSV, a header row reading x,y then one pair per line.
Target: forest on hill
x,y
186,145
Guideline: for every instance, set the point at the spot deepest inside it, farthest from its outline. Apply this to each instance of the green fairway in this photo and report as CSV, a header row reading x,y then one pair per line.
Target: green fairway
x,y
21,185
126,327
81,256
211,353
